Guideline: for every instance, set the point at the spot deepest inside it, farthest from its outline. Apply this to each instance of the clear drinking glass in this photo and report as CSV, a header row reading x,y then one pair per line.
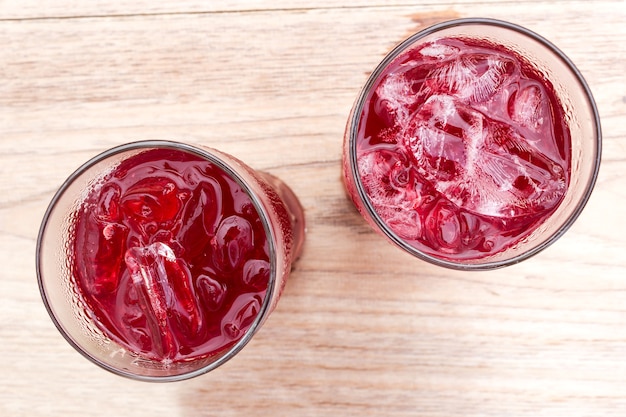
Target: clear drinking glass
x,y
153,227
445,152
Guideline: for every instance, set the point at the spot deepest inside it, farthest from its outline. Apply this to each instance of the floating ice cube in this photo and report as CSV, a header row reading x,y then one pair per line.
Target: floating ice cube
x,y
153,199
232,242
200,218
395,97
529,107
405,222
443,228
103,246
452,77
108,207
376,168
387,179
241,316
439,51
470,77
164,290
211,292
490,74
147,269
148,274
256,273
444,138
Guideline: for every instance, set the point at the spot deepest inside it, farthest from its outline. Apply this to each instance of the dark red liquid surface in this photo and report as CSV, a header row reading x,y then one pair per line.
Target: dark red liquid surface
x,y
463,148
171,256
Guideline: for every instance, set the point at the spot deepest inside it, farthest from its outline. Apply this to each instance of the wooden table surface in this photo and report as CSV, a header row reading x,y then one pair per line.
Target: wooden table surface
x,y
362,329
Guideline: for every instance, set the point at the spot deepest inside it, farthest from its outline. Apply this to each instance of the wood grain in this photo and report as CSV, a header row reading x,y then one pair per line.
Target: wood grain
x,y
362,329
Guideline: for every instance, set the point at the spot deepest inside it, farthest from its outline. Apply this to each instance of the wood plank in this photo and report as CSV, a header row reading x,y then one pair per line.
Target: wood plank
x,y
33,9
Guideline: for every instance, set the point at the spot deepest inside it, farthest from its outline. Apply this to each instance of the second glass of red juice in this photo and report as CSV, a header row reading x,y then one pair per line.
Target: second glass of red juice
x,y
160,260
473,145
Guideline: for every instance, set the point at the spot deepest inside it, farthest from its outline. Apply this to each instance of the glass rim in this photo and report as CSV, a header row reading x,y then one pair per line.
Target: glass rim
x,y
224,166
355,118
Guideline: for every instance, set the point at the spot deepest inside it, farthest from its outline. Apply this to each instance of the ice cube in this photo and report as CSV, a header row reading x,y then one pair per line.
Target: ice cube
x,y
147,270
211,292
102,243
108,207
451,77
376,169
439,50
232,242
444,138
394,99
390,185
405,222
256,273
152,199
471,77
206,199
528,107
193,176
443,228
241,315
211,193
150,280
200,217
165,292
451,230
491,73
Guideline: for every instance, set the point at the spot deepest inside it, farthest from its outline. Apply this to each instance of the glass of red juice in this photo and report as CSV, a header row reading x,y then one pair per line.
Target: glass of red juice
x,y
159,260
474,144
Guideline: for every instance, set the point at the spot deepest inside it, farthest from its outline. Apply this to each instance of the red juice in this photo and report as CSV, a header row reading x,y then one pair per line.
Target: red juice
x,y
171,258
463,148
